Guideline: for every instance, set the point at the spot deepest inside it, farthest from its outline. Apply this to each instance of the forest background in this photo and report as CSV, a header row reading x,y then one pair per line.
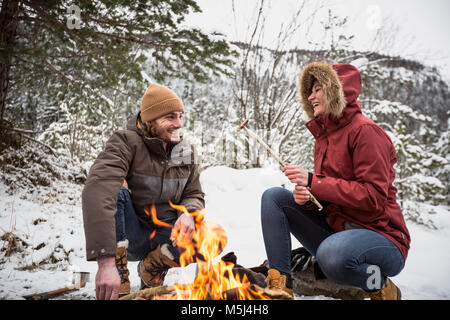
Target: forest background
x,y
73,72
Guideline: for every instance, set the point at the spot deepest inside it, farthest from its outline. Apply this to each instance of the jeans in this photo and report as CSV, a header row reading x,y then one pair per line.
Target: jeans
x,y
128,227
356,257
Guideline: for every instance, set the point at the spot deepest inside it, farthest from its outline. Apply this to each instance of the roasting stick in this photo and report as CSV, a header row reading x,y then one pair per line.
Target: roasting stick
x,y
252,134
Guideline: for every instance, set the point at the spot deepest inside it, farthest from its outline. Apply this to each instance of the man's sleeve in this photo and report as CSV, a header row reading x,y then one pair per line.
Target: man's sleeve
x,y
99,197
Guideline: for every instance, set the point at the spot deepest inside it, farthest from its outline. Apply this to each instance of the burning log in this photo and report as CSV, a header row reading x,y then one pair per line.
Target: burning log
x,y
213,281
253,292
262,293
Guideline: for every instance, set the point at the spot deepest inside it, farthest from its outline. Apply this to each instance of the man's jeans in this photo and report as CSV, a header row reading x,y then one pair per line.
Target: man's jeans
x,y
138,236
356,257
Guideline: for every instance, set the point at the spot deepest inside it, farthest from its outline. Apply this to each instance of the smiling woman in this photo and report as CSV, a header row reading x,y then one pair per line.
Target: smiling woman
x,y
361,228
316,99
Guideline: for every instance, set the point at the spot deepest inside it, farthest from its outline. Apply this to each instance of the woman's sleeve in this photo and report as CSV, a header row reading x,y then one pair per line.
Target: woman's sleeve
x,y
372,154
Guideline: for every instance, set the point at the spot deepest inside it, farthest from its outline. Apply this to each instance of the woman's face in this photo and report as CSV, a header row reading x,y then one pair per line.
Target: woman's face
x,y
316,99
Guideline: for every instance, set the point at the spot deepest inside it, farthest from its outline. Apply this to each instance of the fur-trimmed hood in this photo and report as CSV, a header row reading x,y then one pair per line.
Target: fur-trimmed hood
x,y
341,84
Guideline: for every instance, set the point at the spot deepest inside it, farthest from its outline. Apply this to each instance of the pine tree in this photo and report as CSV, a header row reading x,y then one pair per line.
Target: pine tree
x,y
416,163
88,50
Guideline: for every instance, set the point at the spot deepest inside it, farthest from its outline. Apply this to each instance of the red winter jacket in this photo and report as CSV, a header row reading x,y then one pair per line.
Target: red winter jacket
x,y
353,159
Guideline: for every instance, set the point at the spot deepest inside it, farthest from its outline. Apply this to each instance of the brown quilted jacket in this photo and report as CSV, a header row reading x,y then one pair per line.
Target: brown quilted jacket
x,y
154,176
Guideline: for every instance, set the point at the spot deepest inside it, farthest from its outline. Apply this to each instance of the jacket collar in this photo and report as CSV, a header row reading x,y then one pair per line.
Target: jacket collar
x,y
324,124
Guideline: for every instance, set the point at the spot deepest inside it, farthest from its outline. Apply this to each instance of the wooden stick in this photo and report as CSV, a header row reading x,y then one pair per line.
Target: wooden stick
x,y
242,124
275,155
51,294
148,293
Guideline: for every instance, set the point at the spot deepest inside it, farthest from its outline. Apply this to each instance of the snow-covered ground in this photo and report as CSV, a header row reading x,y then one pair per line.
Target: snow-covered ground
x,y
50,228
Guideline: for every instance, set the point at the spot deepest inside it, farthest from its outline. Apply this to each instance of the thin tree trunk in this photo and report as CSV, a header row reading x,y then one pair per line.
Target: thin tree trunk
x,y
8,26
24,133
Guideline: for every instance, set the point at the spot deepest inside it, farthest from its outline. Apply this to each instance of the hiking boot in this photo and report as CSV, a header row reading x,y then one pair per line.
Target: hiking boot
x,y
277,281
389,291
121,264
153,268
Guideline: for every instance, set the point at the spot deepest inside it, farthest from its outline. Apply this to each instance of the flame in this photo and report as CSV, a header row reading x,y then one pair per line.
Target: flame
x,y
214,280
155,220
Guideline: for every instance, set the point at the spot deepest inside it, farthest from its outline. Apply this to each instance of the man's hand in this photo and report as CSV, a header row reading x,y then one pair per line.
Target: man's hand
x,y
184,228
296,174
107,280
301,195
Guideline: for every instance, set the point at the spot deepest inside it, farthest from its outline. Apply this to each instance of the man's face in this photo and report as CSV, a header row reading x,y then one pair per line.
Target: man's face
x,y
167,127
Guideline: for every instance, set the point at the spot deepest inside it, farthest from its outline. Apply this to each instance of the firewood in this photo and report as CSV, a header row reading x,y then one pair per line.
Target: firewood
x,y
148,293
275,294
254,292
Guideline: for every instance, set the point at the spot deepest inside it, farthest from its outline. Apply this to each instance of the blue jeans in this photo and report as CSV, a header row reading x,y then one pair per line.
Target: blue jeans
x,y
128,227
357,257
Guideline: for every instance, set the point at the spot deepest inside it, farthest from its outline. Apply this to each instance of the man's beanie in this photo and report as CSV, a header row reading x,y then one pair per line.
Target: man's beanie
x,y
158,101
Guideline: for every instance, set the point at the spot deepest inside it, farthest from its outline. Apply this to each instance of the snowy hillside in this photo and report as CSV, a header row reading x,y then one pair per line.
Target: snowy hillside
x,y
43,240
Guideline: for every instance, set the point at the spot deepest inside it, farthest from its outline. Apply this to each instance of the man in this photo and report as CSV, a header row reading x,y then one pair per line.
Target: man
x,y
153,165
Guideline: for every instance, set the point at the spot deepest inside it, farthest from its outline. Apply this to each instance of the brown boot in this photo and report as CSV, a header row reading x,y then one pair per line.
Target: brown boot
x,y
389,291
277,281
121,264
153,268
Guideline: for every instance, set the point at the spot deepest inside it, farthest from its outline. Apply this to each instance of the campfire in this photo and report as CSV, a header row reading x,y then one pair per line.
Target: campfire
x,y
214,280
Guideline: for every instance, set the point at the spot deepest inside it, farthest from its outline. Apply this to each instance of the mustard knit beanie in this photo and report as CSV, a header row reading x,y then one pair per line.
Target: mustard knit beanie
x,y
158,101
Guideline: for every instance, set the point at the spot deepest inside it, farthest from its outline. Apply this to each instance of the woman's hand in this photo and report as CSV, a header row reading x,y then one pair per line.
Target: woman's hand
x,y
296,174
301,195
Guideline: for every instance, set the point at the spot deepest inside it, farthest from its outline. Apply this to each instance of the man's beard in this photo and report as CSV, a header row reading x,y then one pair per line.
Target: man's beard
x,y
159,132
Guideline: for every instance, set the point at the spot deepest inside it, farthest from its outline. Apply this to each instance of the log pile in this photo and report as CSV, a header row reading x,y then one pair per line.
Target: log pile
x,y
305,283
168,292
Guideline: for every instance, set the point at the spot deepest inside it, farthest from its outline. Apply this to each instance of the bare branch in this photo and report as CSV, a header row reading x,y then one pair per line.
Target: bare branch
x,y
24,133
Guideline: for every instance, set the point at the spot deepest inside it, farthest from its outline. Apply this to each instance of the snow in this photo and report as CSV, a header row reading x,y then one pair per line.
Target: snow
x,y
54,229
360,63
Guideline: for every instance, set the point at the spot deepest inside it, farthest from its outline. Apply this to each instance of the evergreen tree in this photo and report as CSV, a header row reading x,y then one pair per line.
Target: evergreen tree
x,y
92,50
415,168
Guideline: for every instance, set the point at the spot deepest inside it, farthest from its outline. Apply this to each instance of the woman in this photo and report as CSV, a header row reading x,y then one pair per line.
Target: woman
x,y
360,237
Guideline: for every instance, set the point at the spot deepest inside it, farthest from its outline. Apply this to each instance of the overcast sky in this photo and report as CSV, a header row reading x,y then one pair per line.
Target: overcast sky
x,y
414,29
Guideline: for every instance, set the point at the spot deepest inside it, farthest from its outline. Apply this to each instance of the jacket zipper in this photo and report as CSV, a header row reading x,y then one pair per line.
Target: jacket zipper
x,y
178,190
162,179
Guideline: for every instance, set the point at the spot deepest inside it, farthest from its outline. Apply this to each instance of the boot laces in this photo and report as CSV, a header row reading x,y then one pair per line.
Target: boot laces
x,y
275,282
157,270
378,295
122,268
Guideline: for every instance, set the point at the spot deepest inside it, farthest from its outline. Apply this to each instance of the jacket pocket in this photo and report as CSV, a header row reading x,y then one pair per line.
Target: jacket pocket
x,y
145,188
172,189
